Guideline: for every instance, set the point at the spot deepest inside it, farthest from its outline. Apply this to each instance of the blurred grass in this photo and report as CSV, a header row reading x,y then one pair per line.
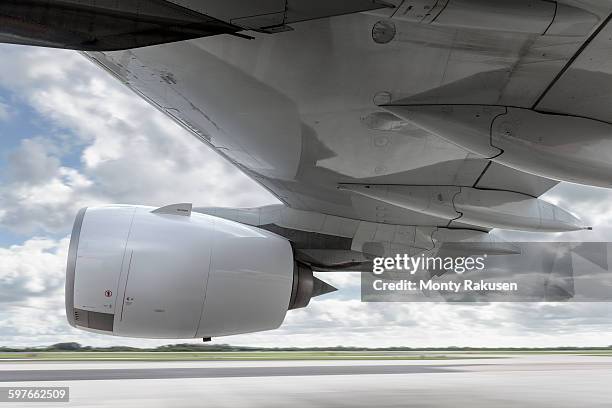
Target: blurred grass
x,y
279,355
223,356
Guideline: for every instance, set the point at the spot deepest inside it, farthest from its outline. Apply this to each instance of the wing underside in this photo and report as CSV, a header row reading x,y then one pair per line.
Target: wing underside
x,y
311,104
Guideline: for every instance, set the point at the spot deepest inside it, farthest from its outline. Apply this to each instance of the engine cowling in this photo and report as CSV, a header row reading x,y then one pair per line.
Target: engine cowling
x,y
139,272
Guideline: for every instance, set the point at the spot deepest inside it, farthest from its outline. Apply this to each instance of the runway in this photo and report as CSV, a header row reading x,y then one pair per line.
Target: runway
x,y
204,372
520,381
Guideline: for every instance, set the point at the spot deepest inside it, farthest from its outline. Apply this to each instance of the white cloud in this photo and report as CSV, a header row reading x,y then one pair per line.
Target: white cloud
x,y
331,322
31,163
592,204
131,153
34,268
39,194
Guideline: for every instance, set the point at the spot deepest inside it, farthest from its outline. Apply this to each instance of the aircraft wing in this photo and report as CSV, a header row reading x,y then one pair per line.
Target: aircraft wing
x,y
384,127
452,114
331,106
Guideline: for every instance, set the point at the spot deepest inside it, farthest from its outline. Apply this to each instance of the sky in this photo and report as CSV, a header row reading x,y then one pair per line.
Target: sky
x,y
72,136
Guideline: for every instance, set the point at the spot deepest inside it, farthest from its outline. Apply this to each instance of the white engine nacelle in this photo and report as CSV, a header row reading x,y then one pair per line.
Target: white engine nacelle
x,y
167,273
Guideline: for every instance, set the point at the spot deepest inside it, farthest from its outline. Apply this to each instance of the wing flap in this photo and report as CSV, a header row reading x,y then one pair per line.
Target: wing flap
x,y
93,25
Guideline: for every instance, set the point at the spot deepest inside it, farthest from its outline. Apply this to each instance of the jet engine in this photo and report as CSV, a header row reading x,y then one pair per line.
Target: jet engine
x,y
169,273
